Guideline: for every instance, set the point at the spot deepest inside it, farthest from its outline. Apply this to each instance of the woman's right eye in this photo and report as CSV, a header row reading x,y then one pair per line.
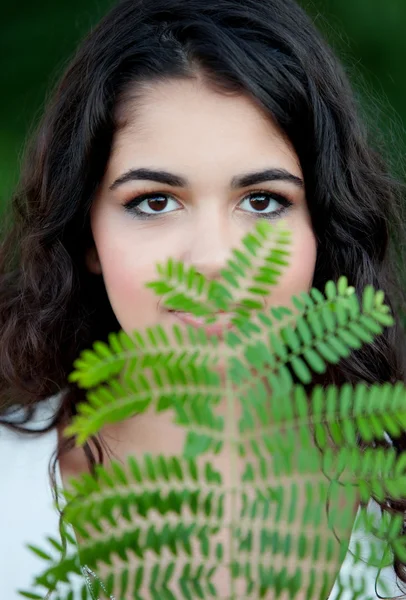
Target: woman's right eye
x,y
148,206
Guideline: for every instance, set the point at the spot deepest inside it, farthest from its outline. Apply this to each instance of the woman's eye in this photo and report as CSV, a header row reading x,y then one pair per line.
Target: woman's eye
x,y
264,204
150,204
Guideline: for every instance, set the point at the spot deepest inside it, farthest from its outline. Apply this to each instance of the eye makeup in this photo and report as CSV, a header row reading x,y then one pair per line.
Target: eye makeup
x,y
270,199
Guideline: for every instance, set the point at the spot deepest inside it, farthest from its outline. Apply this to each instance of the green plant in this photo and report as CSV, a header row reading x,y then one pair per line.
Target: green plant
x,y
291,451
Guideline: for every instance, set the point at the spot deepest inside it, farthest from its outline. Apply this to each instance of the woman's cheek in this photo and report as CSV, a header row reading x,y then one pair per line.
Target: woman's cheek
x,y
126,274
297,277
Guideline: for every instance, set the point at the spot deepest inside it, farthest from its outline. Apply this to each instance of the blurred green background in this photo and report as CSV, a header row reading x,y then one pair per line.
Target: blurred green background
x,y
37,39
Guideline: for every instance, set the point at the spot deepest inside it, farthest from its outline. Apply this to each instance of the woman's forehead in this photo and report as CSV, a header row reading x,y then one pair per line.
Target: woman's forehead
x,y
188,121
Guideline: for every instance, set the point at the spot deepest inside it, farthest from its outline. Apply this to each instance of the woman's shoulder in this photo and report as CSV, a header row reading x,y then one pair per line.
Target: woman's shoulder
x,y
20,450
367,579
27,510
24,457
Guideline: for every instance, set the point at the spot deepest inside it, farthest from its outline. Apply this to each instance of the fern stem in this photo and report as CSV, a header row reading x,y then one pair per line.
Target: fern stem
x,y
232,424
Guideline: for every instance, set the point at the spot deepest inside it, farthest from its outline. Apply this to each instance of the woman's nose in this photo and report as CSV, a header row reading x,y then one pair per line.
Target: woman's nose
x,y
210,248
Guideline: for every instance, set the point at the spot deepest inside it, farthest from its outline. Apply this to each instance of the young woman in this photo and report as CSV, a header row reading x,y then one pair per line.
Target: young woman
x,y
177,124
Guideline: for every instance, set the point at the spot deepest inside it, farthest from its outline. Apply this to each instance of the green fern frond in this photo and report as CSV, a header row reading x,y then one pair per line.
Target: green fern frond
x,y
194,510
171,527
159,388
255,275
141,351
341,326
285,348
106,360
253,271
342,416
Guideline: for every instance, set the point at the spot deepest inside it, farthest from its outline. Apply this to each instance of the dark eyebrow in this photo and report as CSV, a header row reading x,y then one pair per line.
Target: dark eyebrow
x,y
179,181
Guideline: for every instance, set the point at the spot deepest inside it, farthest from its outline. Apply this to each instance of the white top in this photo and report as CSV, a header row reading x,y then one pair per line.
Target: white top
x,y
28,514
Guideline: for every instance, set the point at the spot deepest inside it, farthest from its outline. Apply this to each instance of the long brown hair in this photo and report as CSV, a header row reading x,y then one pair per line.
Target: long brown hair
x,y
52,308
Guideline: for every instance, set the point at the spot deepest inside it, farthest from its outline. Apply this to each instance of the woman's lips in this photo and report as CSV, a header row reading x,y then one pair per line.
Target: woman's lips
x,y
216,329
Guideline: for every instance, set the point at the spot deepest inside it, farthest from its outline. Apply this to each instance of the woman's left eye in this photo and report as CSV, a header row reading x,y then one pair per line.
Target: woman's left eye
x,y
267,203
264,204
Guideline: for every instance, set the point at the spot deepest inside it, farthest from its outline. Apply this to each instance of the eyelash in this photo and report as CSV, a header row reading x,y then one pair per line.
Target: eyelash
x,y
132,205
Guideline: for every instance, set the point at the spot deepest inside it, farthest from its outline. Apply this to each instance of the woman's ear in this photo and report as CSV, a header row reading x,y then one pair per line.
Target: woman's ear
x,y
92,261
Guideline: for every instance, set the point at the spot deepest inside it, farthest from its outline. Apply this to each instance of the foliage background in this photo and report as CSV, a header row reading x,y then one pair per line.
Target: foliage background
x,y
38,38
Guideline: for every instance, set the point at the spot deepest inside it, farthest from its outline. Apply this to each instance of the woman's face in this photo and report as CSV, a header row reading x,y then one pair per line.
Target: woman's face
x,y
204,142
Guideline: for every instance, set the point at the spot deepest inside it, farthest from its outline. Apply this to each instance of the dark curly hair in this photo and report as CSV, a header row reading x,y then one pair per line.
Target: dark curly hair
x,y
52,308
